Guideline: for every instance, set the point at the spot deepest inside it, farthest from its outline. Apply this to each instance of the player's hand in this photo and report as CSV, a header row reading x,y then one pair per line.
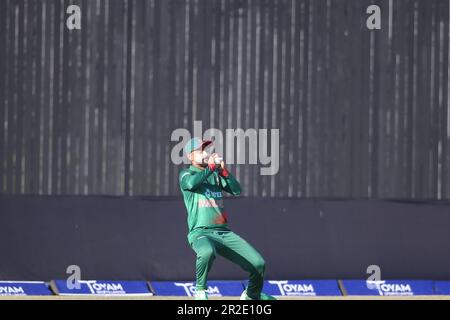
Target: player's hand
x,y
212,160
219,161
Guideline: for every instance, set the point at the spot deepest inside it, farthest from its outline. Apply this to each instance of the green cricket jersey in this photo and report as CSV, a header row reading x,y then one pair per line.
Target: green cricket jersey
x,y
202,192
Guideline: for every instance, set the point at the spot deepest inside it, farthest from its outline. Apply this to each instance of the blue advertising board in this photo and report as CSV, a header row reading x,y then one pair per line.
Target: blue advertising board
x,y
97,287
24,288
302,288
180,288
442,287
388,287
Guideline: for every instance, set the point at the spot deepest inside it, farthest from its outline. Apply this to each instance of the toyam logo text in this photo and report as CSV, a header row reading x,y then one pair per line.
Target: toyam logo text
x,y
189,288
390,289
294,289
104,287
11,291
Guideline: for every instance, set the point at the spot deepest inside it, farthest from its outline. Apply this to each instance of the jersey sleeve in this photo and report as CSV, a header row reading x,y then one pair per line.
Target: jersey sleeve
x,y
192,180
229,183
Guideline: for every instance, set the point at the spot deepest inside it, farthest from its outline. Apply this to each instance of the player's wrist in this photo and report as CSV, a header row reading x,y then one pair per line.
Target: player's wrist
x,y
223,172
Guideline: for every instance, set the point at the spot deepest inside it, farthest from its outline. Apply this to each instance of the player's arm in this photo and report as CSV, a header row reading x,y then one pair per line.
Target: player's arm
x,y
228,182
191,181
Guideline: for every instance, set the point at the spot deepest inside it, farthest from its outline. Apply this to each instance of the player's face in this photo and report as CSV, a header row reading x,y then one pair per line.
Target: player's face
x,y
199,157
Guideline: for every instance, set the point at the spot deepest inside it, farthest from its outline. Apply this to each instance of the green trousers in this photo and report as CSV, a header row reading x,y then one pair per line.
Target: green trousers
x,y
208,243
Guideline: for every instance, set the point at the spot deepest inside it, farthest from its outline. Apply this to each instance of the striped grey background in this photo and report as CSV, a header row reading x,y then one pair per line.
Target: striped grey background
x,y
362,113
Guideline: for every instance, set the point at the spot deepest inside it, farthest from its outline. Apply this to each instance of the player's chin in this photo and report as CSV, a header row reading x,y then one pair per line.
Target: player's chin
x,y
203,164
